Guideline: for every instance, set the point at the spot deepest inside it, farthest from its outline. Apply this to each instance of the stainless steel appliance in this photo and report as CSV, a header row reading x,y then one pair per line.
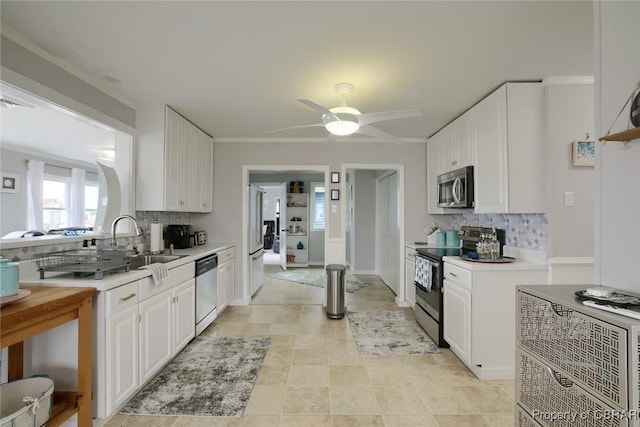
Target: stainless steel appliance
x,y
206,291
178,235
429,296
455,188
256,239
200,237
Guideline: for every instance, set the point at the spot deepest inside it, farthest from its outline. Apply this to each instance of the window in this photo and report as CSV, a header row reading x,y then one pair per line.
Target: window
x,y
55,195
90,204
318,205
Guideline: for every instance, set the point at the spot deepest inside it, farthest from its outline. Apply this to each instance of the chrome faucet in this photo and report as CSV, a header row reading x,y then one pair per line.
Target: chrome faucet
x,y
115,223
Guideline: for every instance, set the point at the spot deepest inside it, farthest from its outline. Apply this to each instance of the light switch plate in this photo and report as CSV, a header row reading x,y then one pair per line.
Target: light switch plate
x,y
569,198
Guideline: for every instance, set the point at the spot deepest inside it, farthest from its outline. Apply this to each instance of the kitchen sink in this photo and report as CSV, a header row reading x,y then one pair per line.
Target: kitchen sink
x,y
142,260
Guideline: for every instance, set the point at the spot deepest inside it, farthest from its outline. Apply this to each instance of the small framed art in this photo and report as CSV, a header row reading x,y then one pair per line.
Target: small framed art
x,y
10,183
335,177
335,194
584,153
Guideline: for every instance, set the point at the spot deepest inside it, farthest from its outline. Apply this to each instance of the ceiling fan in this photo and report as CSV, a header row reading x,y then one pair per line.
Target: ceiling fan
x,y
344,120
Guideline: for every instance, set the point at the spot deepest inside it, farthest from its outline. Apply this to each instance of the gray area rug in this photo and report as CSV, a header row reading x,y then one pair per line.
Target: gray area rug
x,y
389,333
314,277
210,377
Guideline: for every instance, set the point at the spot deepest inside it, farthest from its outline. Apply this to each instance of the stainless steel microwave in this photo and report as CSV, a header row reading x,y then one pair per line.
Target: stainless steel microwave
x,y
455,188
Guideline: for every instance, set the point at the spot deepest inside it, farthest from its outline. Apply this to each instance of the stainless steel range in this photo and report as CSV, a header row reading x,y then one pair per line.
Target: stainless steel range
x,y
429,277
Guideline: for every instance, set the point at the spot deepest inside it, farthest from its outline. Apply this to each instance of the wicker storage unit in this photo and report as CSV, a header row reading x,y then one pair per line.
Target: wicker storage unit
x,y
576,365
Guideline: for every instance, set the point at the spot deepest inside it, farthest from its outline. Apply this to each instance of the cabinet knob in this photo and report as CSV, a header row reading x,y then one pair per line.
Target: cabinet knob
x,y
454,162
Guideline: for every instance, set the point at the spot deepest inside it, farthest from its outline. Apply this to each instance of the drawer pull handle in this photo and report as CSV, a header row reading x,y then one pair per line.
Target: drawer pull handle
x,y
128,297
453,274
564,382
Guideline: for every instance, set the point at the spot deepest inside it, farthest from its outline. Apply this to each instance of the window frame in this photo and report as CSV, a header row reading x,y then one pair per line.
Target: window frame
x,y
67,182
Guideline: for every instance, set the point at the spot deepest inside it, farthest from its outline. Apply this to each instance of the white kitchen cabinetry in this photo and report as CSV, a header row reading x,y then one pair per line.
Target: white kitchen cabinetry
x,y
479,312
146,325
458,143
435,161
226,278
175,174
409,276
298,229
508,164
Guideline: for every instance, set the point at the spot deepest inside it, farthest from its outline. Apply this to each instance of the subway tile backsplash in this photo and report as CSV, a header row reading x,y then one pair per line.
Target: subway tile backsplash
x,y
529,231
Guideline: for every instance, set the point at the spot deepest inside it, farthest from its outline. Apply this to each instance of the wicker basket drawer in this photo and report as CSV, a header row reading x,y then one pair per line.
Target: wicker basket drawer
x,y
592,352
554,400
523,419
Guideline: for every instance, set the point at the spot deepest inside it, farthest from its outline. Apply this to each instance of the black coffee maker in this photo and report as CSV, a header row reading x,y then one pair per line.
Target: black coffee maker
x,y
180,235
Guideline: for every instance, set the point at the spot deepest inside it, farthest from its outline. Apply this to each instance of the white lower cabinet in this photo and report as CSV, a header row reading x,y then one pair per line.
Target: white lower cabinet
x,y
146,325
409,275
156,347
479,312
226,278
457,305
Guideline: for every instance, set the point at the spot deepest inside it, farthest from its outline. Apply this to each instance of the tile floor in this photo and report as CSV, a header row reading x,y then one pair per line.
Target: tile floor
x,y
314,376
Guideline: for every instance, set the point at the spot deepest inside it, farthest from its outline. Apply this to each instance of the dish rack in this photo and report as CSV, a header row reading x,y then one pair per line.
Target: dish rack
x,y
85,261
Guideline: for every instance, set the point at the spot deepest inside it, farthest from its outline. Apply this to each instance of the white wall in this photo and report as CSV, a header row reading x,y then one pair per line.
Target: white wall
x,y
226,220
617,30
569,116
13,206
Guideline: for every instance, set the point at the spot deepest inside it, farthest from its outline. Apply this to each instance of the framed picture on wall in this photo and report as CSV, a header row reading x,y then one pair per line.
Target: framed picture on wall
x,y
584,153
335,194
335,177
10,183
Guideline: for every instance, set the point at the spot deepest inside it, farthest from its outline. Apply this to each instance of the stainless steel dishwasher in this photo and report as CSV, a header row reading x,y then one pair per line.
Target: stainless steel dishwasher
x,y
206,291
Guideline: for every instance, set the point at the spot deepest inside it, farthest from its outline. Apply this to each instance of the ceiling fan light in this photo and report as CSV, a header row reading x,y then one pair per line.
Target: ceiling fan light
x,y
347,124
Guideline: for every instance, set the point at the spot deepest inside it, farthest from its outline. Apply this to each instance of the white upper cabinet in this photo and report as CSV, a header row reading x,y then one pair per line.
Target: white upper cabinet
x,y
177,174
508,164
501,137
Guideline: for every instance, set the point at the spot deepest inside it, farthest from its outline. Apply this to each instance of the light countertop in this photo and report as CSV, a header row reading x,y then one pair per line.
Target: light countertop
x,y
29,274
517,264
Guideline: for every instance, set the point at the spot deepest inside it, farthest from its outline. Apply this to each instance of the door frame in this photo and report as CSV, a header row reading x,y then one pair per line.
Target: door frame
x,y
399,169
246,171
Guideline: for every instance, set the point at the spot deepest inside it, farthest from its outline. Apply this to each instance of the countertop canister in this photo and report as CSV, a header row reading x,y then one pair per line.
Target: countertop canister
x,y
452,238
9,278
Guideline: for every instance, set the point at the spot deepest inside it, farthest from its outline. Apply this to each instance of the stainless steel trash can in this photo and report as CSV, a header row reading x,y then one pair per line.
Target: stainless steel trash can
x,y
335,291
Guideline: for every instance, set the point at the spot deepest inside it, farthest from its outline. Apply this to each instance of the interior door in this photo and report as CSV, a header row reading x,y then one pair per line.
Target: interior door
x,y
283,224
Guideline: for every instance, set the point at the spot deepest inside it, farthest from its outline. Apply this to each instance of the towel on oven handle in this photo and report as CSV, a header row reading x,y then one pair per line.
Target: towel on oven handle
x,y
423,274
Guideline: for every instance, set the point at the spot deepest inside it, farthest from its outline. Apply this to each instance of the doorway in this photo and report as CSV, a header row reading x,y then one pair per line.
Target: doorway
x,y
297,240
373,220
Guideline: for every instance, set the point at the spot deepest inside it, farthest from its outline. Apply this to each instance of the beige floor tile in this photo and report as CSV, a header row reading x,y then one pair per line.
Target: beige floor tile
x,y
306,356
117,420
278,356
446,357
461,421
409,421
348,375
312,375
400,400
306,400
282,341
201,422
273,375
311,341
488,399
253,329
284,329
428,376
445,400
509,388
266,399
358,421
254,421
461,375
388,375
499,420
305,421
347,400
343,357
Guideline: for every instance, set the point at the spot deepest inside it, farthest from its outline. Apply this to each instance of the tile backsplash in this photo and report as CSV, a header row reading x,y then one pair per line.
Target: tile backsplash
x,y
529,231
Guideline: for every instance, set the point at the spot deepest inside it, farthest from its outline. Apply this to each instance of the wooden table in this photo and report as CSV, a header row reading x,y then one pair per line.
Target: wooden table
x,y
46,308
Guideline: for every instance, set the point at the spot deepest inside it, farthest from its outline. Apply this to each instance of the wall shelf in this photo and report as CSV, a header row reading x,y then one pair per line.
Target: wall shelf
x,y
624,136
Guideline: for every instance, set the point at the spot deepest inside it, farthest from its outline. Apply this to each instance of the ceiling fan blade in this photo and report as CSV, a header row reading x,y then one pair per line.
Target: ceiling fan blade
x,y
294,127
367,118
319,108
377,133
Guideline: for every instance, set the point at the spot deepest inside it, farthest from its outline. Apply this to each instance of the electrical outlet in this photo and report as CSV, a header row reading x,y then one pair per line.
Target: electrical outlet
x,y
569,198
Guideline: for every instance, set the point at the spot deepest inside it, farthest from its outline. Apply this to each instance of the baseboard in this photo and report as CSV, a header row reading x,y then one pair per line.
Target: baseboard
x,y
363,272
241,301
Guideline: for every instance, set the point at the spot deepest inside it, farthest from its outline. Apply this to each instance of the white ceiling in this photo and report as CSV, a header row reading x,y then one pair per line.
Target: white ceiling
x,y
236,68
